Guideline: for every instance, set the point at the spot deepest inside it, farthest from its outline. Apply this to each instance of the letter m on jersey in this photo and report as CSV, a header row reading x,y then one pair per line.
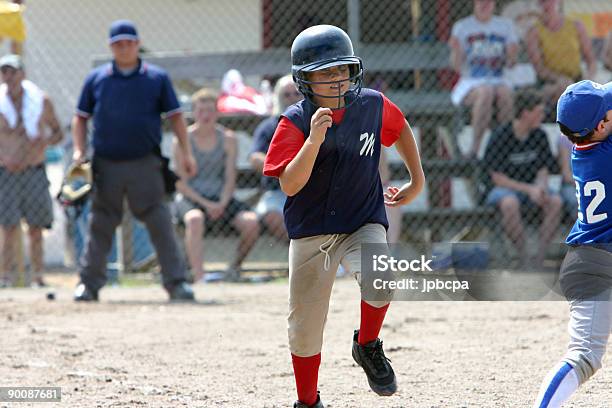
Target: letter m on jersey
x,y
368,144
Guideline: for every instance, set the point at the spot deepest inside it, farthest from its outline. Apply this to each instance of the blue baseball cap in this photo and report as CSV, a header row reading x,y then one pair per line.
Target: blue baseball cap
x,y
122,30
583,105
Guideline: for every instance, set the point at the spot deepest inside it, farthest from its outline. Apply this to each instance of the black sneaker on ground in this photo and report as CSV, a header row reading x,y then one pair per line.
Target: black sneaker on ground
x,y
318,404
85,294
181,292
372,359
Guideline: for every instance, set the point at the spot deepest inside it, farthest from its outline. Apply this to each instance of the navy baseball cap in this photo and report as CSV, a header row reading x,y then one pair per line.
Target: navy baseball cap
x,y
583,105
122,30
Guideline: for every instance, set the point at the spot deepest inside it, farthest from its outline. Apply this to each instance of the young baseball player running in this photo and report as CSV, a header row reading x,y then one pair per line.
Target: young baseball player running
x,y
584,114
325,152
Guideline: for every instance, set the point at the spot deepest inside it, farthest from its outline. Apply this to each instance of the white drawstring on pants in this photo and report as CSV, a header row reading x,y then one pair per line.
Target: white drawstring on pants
x,y
327,262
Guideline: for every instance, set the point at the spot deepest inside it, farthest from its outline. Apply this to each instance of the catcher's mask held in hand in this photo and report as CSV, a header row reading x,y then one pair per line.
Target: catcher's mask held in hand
x,y
77,185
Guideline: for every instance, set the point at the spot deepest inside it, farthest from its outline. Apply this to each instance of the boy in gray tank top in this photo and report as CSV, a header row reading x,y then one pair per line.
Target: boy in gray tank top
x,y
205,202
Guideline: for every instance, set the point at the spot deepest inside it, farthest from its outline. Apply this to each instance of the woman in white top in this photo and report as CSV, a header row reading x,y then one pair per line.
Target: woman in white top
x,y
482,45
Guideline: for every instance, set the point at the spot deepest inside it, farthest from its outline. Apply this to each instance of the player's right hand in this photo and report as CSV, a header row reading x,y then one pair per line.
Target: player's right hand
x,y
319,123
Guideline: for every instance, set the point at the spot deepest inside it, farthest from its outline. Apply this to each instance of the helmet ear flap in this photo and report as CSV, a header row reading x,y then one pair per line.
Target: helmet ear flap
x,y
354,70
300,79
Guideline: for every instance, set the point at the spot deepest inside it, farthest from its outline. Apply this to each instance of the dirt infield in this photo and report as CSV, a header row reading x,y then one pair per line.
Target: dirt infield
x,y
133,349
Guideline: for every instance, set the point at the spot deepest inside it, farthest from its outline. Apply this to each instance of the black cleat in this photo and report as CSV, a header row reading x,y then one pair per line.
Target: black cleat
x,y
181,292
85,294
318,404
372,359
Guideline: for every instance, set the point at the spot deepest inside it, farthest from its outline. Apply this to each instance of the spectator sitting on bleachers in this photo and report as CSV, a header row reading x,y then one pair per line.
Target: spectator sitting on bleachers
x,y
517,159
269,208
556,46
606,54
568,186
481,46
206,200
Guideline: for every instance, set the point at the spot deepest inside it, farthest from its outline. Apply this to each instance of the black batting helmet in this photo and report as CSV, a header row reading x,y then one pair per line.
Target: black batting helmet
x,y
320,47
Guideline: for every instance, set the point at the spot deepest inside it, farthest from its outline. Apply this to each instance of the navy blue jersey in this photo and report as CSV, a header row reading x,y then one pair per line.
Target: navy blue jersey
x,y
592,168
127,109
344,191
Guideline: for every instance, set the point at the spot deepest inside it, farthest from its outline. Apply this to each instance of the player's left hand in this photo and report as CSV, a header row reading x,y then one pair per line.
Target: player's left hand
x,y
395,197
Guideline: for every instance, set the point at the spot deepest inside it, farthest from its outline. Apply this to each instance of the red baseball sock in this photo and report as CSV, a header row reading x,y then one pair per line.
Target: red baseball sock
x,y
371,321
306,370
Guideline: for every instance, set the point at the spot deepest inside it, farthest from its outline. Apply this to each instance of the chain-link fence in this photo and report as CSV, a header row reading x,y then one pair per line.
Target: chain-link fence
x,y
474,87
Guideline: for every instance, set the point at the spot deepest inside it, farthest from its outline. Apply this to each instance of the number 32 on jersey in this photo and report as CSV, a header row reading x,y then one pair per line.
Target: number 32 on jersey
x,y
597,190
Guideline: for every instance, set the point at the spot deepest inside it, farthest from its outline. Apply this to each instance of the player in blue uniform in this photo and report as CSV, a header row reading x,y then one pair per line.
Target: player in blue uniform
x,y
325,152
584,114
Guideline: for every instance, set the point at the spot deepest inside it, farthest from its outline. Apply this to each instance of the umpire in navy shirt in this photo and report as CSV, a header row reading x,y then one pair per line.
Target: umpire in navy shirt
x,y
126,99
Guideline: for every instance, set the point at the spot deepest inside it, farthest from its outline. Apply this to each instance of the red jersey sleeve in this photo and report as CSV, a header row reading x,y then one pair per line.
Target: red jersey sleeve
x,y
393,122
285,145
